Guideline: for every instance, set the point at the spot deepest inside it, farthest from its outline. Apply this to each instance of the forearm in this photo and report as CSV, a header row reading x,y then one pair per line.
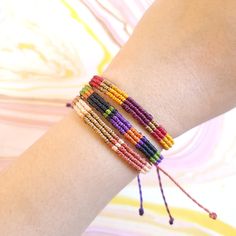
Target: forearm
x,y
180,62
60,183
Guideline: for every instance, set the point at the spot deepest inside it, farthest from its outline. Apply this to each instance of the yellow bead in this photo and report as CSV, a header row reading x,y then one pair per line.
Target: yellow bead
x,y
170,138
164,145
167,141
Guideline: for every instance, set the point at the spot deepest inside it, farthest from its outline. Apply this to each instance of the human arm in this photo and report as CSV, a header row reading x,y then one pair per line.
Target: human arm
x,y
186,51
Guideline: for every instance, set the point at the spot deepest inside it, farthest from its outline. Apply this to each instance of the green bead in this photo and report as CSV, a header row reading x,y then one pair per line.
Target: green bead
x,y
108,111
158,153
152,160
111,108
155,156
105,114
88,87
83,90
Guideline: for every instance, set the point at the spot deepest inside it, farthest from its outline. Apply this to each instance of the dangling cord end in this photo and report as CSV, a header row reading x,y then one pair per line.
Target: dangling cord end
x,y
171,219
212,215
141,210
68,104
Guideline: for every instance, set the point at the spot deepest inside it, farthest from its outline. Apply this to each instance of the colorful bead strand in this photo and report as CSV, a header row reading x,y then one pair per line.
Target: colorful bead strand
x,y
119,146
130,106
121,124
140,164
109,136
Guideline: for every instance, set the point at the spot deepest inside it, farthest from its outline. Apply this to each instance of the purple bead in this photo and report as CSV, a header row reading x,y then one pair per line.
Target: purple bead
x,y
157,161
137,111
127,108
161,157
141,142
113,123
128,124
123,126
116,125
121,130
141,121
148,116
123,120
115,118
137,145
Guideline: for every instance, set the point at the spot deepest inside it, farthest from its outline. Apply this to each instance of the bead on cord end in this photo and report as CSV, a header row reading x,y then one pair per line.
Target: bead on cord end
x,y
212,215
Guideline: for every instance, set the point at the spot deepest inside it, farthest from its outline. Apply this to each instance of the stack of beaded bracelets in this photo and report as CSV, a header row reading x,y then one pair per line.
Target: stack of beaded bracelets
x,y
150,155
121,124
130,106
109,136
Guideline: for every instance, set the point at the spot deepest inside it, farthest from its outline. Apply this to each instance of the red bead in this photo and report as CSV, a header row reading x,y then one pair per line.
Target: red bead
x,y
93,84
163,131
95,81
159,133
156,136
96,77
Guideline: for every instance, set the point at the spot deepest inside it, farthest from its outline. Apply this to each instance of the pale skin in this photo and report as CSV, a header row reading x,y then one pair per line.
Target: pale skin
x,y
182,53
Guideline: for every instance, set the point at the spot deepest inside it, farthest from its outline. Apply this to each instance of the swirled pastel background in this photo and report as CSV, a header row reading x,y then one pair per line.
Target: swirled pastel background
x,y
48,50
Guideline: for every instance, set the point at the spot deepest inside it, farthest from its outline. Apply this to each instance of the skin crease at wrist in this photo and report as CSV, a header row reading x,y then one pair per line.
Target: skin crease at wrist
x,y
180,68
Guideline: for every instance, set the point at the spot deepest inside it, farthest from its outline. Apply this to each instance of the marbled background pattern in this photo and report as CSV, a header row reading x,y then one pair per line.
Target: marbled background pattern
x,y
48,50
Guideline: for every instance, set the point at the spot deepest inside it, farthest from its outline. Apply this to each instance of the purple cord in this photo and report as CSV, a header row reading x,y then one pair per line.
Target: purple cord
x,y
141,210
171,220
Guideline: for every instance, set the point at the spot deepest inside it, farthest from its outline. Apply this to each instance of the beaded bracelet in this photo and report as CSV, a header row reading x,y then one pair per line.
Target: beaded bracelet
x,y
142,165
121,124
109,136
117,145
102,106
130,106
